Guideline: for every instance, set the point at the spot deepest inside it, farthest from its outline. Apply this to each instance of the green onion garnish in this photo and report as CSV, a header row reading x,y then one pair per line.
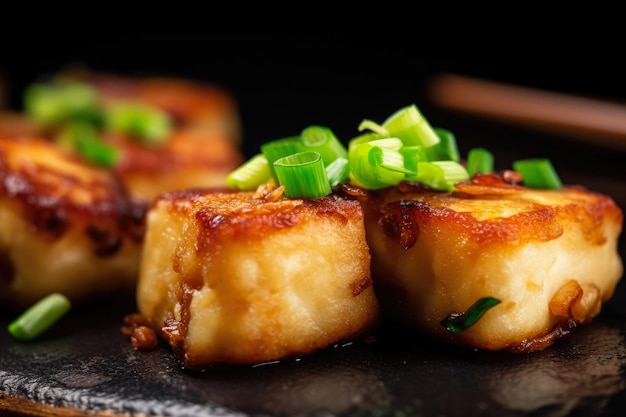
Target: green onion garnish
x,y
55,103
412,155
280,148
252,173
458,322
538,173
139,120
440,175
83,139
303,174
377,163
446,149
323,140
405,147
479,160
411,127
367,124
39,317
338,171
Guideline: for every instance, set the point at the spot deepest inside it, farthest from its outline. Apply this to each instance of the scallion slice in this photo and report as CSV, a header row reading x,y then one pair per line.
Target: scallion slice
x,y
367,124
538,173
411,127
458,322
338,171
39,317
377,163
446,149
479,160
412,155
440,175
388,164
82,138
54,103
141,121
303,175
280,148
252,173
323,140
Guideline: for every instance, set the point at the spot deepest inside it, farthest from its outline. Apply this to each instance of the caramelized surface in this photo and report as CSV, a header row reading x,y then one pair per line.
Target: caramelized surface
x,y
64,226
549,256
251,277
72,227
202,149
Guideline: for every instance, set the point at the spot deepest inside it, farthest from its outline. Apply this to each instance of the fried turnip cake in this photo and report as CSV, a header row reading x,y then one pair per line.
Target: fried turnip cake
x,y
247,277
170,133
64,226
203,146
540,262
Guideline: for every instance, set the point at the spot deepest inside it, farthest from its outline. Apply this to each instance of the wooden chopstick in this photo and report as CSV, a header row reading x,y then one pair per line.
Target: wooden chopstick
x,y
594,121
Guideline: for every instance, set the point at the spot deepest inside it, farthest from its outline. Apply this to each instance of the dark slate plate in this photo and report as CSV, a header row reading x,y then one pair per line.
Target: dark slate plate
x,y
85,365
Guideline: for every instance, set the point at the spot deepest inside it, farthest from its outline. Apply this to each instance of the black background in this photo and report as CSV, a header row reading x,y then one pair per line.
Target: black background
x,y
311,73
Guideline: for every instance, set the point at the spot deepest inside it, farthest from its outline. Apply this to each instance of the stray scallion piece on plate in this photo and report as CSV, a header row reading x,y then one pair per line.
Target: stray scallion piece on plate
x,y
458,322
39,317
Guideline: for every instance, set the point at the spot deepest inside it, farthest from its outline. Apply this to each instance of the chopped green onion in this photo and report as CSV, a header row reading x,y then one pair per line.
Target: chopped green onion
x,y
404,147
479,160
250,174
446,149
39,317
364,138
377,163
323,140
338,171
458,322
440,175
139,120
82,138
280,148
538,173
412,155
367,124
411,127
55,103
388,164
303,175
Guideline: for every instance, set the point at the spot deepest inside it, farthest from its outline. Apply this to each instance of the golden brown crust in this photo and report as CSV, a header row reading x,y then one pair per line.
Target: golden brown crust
x,y
496,214
55,187
247,277
550,256
65,226
84,223
230,214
